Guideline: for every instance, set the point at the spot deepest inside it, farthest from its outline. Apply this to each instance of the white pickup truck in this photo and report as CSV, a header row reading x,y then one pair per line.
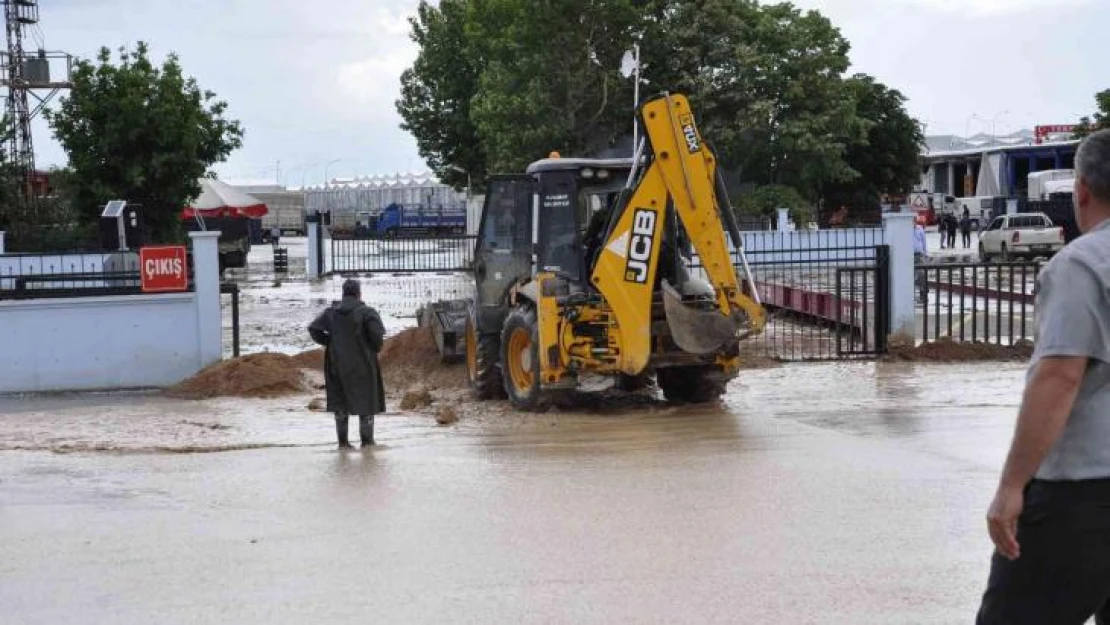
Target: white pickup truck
x,y
1027,235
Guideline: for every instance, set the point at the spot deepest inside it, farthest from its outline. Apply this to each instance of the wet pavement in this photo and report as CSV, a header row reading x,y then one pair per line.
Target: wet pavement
x,y
826,493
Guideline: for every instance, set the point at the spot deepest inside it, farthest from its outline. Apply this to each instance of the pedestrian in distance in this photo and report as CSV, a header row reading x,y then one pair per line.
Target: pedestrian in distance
x,y
920,254
965,228
352,334
275,235
953,226
1050,516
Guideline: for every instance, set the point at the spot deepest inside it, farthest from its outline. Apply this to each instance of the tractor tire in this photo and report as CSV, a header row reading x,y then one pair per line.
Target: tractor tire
x,y
690,385
483,366
520,361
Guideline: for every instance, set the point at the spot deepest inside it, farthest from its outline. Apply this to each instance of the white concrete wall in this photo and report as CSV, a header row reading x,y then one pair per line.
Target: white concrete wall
x,y
88,343
114,342
474,213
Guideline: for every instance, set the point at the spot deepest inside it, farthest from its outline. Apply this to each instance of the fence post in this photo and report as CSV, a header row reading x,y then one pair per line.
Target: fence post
x,y
314,244
882,298
206,281
898,231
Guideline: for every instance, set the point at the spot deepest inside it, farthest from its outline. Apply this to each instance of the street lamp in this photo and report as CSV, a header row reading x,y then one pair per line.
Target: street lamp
x,y
994,122
305,173
326,167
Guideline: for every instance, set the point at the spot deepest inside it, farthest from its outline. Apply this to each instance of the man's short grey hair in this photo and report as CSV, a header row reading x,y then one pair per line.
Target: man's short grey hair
x,y
351,288
1092,164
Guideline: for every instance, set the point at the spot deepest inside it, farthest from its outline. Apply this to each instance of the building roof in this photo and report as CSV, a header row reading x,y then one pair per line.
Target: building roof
x,y
964,151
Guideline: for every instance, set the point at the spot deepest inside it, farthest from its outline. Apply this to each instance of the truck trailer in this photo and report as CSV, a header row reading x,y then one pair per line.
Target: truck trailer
x,y
396,219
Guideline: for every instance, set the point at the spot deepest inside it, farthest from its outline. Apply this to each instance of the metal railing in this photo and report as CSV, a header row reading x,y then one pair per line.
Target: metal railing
x,y
827,295
978,303
82,274
402,254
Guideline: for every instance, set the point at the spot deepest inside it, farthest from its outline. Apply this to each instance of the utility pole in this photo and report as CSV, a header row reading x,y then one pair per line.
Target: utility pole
x,y
631,67
23,75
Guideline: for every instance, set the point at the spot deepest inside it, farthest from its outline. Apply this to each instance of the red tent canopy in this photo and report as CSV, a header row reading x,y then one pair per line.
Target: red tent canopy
x,y
217,199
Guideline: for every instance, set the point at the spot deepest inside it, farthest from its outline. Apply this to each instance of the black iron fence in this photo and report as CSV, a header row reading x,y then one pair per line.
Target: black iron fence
x,y
826,293
81,274
978,303
401,254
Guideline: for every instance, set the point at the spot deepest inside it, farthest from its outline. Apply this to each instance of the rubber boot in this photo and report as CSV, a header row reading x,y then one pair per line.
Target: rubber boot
x,y
366,429
341,422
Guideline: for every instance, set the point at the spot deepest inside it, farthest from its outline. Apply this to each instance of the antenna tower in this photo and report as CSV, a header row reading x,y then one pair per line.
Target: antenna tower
x,y
24,76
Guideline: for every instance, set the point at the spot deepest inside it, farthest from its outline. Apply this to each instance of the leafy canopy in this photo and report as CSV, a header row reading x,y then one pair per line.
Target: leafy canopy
x,y
141,133
1101,120
499,83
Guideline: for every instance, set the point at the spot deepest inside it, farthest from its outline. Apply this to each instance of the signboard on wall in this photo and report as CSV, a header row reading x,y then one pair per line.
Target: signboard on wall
x,y
164,269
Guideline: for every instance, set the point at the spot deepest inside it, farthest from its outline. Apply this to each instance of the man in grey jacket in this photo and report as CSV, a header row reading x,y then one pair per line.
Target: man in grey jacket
x,y
352,334
1050,517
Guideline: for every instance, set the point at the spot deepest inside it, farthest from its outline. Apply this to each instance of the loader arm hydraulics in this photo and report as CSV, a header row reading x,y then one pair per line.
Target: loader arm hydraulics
x,y
682,167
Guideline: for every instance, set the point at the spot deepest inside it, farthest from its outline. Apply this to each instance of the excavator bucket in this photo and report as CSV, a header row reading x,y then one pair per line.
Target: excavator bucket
x,y
698,331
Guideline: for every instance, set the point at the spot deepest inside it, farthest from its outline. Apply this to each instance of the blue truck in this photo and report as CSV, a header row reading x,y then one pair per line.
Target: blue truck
x,y
396,219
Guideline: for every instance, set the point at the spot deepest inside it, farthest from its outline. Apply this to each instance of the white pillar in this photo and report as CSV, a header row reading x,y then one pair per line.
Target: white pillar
x,y
784,219
314,243
206,279
1,241
898,230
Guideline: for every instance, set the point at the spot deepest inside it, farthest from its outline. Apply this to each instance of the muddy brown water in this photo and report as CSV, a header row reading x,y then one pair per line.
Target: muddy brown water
x,y
835,493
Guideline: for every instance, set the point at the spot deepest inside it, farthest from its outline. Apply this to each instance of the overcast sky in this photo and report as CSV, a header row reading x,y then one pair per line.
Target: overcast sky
x,y
313,82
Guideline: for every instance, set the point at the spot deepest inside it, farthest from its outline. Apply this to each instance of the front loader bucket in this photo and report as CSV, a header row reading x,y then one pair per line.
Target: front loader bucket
x,y
697,331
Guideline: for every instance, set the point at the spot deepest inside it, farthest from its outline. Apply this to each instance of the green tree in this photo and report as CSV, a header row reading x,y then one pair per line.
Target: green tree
x,y
436,93
551,77
498,83
1101,119
142,133
767,82
888,159
766,199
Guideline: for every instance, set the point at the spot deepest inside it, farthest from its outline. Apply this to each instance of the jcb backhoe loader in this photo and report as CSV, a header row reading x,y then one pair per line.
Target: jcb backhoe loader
x,y
582,266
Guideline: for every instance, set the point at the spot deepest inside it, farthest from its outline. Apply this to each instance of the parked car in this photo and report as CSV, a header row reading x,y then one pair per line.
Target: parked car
x,y
1021,235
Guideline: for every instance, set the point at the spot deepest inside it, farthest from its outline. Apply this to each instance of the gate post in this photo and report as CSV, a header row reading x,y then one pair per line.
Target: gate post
x,y
206,280
898,231
882,298
315,242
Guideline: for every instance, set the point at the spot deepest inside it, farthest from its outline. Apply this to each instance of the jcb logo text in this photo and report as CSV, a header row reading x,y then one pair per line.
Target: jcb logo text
x,y
640,246
690,133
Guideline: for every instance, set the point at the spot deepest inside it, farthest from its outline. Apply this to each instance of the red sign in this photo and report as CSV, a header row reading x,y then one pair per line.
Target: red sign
x,y
1040,133
164,269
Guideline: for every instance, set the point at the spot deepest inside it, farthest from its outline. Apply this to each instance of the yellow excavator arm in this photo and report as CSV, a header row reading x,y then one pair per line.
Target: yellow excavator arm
x,y
682,168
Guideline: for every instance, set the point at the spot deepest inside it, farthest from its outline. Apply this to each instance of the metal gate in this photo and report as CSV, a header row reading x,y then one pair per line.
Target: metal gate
x,y
350,255
828,302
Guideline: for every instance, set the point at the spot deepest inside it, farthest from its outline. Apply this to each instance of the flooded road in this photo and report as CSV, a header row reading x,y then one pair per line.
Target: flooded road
x,y
832,493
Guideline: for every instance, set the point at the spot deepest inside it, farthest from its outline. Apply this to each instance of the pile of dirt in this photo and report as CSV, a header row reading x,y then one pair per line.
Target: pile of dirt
x,y
409,359
312,359
949,351
446,415
414,399
262,375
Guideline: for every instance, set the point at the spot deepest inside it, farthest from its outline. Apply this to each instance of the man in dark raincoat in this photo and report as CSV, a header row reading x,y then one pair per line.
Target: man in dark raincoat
x,y
352,334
